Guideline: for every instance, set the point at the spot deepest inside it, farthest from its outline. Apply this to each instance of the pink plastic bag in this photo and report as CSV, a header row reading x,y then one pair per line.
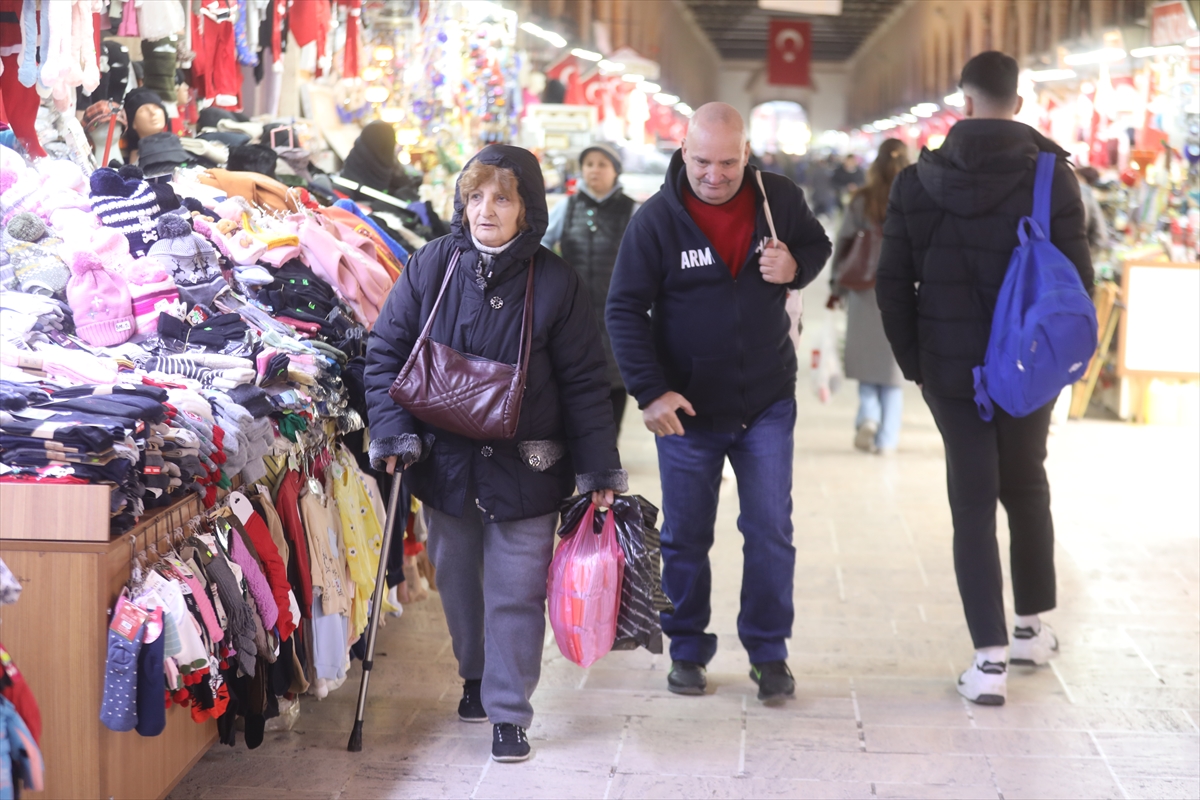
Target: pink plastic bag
x,y
584,589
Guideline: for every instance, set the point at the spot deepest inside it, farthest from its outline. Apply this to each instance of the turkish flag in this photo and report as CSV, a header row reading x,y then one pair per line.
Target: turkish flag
x,y
789,51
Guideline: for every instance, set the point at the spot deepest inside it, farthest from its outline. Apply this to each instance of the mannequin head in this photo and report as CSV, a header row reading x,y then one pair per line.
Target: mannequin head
x,y
148,120
96,119
99,136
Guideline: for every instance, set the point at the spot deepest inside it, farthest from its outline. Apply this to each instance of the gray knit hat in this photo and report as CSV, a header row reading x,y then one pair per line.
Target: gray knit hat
x,y
191,259
607,150
36,265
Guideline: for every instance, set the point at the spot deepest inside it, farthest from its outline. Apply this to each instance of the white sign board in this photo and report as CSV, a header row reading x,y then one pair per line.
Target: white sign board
x,y
1161,325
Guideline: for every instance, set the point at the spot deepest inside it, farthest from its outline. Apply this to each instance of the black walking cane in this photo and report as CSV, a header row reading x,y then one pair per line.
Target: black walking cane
x,y
355,744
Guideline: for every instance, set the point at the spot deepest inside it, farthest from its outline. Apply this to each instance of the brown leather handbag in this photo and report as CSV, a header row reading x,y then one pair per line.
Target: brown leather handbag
x,y
465,394
856,268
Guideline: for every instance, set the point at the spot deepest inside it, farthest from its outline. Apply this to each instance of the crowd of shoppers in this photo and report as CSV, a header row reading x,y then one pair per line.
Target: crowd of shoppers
x,y
682,304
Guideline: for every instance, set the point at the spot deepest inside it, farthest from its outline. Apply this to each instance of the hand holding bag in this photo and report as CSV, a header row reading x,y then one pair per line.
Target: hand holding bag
x,y
463,394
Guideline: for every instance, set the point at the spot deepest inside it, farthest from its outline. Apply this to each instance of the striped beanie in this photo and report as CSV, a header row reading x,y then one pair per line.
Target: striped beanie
x,y
152,291
129,206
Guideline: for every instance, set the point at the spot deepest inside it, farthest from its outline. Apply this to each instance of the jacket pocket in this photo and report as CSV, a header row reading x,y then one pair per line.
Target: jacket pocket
x,y
715,386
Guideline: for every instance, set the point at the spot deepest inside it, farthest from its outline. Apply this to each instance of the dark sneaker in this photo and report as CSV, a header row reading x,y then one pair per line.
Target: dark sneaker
x,y
509,743
775,681
687,677
470,708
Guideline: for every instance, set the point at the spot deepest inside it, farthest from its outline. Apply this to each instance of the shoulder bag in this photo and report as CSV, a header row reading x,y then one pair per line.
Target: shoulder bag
x,y
463,394
856,268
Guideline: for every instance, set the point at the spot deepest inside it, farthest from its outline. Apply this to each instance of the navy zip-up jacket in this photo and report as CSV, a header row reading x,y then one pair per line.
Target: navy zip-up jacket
x,y
680,322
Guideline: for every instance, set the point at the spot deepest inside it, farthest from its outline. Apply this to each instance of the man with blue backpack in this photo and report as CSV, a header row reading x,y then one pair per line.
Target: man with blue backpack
x,y
984,283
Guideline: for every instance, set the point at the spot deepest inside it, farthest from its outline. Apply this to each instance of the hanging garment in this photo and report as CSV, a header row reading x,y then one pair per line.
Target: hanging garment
x,y
20,695
361,532
20,757
328,563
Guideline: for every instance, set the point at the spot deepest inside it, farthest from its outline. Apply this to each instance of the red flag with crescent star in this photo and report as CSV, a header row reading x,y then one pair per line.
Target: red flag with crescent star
x,y
789,51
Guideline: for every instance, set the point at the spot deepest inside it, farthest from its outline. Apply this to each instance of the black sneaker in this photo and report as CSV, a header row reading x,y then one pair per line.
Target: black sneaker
x,y
470,708
775,681
687,677
509,743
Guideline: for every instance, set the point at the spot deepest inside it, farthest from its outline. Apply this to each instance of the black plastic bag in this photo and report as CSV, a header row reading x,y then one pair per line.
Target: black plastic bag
x,y
642,597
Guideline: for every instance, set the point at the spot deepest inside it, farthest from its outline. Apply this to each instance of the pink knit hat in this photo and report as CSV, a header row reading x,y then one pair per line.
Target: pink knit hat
x,y
151,291
99,302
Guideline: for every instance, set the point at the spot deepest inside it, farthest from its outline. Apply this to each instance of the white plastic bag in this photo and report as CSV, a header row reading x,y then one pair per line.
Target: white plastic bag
x,y
827,361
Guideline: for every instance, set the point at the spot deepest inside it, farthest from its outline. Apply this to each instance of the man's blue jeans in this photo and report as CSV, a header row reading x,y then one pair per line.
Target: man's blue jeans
x,y
690,468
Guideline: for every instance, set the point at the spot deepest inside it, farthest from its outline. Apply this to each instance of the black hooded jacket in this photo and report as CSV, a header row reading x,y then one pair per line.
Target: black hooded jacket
x,y
372,162
950,231
566,416
679,321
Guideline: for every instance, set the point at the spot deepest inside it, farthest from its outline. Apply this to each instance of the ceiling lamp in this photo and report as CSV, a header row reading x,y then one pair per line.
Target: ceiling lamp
x,y
649,88
955,100
1105,55
611,66
586,55
543,34
666,99
1044,75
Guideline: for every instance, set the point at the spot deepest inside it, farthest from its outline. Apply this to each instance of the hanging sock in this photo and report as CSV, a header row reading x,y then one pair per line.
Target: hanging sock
x,y
118,710
28,72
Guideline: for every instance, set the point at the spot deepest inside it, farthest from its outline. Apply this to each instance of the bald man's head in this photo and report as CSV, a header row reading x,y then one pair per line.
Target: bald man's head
x,y
717,117
715,152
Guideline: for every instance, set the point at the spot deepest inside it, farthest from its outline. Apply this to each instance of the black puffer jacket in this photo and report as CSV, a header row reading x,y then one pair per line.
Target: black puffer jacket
x,y
565,413
950,231
591,237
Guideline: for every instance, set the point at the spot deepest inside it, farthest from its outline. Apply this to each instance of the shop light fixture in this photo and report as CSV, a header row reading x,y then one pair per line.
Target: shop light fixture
x,y
392,115
1193,42
611,66
1105,55
371,74
909,118
586,55
633,78
1043,75
924,109
955,100
667,99
683,108
543,34
1167,50
376,94
869,129
383,53
884,124
649,88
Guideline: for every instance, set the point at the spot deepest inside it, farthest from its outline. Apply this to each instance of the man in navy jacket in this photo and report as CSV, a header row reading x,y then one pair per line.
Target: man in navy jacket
x,y
697,321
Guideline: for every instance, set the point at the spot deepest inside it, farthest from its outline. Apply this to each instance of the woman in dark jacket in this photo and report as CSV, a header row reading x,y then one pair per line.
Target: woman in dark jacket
x,y
372,162
491,506
587,228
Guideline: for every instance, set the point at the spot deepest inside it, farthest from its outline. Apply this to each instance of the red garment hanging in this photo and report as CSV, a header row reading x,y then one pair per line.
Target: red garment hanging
x,y
353,13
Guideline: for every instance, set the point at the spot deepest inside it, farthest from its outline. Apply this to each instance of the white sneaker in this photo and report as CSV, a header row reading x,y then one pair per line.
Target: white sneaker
x,y
1033,649
864,439
985,683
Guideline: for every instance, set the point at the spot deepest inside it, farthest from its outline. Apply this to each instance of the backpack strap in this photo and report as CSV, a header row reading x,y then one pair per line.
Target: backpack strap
x,y
1041,191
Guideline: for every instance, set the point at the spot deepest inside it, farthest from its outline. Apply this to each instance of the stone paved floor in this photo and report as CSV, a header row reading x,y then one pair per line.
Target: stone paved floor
x,y
878,640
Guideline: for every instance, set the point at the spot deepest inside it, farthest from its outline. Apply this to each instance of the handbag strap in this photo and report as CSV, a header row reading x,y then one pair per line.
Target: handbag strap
x,y
437,303
526,328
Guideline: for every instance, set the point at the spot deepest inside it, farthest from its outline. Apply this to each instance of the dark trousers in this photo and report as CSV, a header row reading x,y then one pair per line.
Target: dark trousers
x,y
618,397
690,468
988,461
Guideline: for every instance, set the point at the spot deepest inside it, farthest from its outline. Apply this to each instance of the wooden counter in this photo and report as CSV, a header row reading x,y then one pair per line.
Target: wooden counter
x,y
58,635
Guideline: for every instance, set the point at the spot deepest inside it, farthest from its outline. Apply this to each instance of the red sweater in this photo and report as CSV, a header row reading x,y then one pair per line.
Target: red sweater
x,y
729,226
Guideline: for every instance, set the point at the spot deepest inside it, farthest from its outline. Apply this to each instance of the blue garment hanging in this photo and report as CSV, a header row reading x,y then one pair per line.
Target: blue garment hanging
x,y
397,250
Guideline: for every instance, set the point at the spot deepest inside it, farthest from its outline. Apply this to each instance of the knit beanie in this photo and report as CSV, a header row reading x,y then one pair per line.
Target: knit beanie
x,y
101,113
133,101
111,248
99,302
36,264
605,149
191,260
152,291
129,206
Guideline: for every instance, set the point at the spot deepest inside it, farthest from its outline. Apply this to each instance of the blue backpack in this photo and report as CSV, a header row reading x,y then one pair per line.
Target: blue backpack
x,y
1044,327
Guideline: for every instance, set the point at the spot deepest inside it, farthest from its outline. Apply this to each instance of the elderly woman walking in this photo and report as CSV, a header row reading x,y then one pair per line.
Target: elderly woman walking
x,y
491,500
